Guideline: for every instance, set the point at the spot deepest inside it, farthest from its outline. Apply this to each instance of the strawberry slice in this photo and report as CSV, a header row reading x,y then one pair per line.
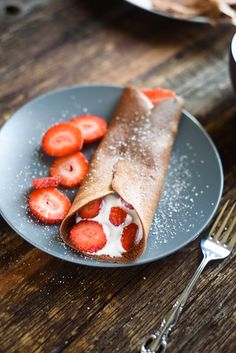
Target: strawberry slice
x,y
156,95
49,205
117,216
92,127
71,169
50,182
62,139
88,236
126,204
90,210
128,236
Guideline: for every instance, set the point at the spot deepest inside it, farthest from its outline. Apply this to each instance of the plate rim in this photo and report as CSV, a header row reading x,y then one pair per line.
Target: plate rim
x,y
94,263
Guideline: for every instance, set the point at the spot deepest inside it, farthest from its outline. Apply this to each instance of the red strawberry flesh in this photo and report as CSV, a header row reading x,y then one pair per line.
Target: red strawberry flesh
x,y
117,216
128,236
62,139
49,205
90,210
87,236
156,95
71,169
46,182
92,127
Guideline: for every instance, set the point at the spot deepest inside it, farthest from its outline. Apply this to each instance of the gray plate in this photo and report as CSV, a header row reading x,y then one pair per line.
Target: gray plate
x,y
147,5
192,189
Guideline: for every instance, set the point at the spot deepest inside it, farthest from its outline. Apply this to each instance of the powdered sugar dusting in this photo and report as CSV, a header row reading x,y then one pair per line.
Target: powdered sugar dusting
x,y
179,210
187,201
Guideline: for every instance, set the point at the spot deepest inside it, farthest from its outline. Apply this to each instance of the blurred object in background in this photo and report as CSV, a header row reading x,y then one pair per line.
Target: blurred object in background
x,y
232,61
200,11
12,8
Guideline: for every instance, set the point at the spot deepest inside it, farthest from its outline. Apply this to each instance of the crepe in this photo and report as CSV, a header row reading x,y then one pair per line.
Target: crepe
x,y
131,160
186,9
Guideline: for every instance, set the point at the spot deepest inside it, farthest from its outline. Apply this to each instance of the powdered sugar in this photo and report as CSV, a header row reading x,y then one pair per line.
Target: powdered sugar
x,y
183,207
180,203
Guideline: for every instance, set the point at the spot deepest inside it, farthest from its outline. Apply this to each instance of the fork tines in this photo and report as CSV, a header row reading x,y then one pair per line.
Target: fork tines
x,y
223,227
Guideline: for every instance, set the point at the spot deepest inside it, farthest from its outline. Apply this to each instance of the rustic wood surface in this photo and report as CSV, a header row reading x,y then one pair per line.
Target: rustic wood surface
x,y
51,306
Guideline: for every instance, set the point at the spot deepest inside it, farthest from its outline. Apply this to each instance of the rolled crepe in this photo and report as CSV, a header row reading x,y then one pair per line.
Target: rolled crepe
x,y
132,161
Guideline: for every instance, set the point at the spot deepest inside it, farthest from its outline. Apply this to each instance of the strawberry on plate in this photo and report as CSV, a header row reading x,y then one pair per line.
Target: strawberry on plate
x,y
50,182
117,216
128,236
49,205
90,210
87,236
156,95
71,169
92,127
62,139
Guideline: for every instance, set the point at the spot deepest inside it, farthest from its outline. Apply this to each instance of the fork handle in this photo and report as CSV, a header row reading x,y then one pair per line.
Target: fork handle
x,y
157,342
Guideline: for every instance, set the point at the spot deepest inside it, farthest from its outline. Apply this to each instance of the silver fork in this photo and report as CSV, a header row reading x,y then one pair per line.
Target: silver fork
x,y
217,245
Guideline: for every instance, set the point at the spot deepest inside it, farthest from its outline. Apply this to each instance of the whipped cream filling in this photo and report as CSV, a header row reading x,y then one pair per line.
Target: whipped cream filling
x,y
113,246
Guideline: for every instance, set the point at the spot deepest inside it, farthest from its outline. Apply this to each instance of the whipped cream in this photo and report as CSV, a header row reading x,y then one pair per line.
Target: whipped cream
x,y
113,246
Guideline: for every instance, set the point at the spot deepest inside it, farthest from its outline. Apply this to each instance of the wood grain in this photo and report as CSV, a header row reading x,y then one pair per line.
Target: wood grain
x,y
48,305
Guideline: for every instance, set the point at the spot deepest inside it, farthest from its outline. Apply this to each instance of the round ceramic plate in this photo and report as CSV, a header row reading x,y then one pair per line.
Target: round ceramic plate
x,y
192,190
147,5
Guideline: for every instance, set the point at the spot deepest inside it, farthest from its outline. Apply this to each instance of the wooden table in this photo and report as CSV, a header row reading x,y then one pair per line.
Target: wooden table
x,y
51,306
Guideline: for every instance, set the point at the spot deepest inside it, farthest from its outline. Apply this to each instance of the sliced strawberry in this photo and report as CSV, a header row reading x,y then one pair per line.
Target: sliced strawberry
x,y
49,205
88,236
92,127
50,182
156,95
61,140
126,204
117,216
71,169
128,236
90,210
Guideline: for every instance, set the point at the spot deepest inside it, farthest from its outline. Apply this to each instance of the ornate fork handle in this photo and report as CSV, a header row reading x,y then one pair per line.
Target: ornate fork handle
x,y
157,342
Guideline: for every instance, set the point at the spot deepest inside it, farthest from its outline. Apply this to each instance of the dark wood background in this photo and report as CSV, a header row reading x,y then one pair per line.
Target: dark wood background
x,y
48,305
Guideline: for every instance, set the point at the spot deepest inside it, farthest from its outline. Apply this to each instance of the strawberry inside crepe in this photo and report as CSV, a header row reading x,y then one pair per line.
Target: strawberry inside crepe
x,y
120,227
112,213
